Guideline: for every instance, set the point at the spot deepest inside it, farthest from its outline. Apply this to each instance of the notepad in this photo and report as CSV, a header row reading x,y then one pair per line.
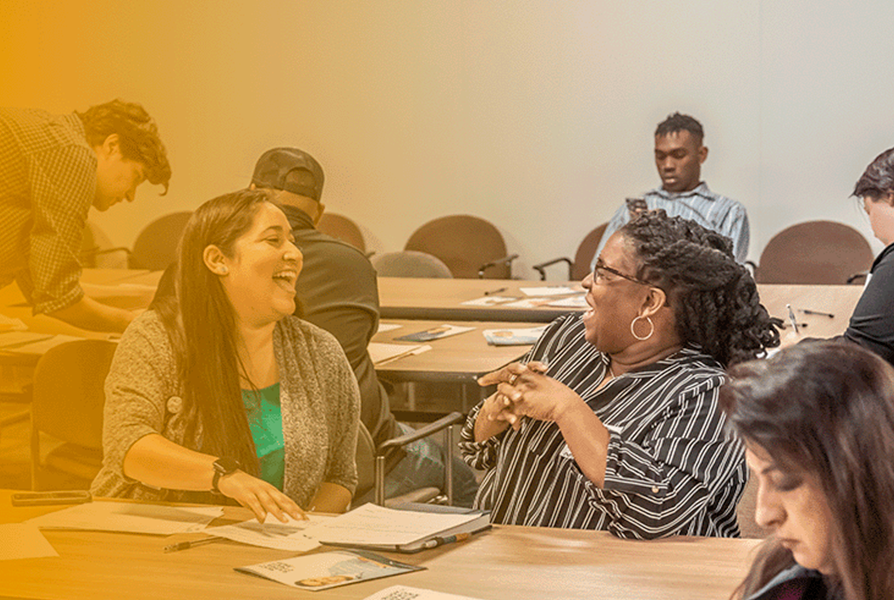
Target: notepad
x,y
381,353
378,528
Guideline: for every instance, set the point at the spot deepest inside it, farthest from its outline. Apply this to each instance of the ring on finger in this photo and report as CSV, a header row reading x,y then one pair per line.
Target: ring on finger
x,y
512,379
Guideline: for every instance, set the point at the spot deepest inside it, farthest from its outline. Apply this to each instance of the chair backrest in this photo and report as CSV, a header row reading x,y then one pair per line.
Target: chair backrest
x,y
68,395
463,243
156,246
342,228
409,263
97,250
814,252
585,253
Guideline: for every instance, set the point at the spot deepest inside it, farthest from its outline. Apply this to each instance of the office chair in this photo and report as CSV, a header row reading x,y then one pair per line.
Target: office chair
x,y
814,252
342,228
583,258
67,405
156,246
97,250
470,246
372,461
409,263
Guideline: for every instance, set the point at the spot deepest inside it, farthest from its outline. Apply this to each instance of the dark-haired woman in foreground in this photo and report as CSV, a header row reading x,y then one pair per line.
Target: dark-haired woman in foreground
x,y
818,425
219,389
611,421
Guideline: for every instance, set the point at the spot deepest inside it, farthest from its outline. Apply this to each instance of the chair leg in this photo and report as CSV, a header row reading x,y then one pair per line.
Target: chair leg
x,y
35,455
448,467
380,480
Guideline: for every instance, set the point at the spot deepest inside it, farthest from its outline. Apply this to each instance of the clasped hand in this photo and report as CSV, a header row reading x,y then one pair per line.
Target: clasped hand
x,y
525,391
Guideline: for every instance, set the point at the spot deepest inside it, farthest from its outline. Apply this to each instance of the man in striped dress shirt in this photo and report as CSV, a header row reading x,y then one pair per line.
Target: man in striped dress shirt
x,y
679,154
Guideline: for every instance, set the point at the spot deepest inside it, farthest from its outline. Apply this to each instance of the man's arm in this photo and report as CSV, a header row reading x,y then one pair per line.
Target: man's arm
x,y
89,314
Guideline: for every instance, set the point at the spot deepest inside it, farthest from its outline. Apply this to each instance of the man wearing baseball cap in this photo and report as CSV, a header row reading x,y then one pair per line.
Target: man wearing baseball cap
x,y
337,291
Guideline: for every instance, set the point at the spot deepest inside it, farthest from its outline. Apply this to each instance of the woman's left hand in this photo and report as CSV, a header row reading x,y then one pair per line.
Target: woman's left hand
x,y
530,392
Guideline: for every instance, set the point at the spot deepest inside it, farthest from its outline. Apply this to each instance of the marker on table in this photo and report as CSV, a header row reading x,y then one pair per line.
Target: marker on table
x,y
496,291
791,317
449,539
807,311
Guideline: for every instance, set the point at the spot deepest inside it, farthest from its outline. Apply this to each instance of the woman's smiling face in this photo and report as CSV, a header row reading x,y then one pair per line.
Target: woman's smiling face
x,y
261,275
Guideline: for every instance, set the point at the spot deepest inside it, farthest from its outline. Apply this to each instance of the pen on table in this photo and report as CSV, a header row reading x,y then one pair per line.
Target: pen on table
x,y
791,317
496,291
192,544
807,311
449,539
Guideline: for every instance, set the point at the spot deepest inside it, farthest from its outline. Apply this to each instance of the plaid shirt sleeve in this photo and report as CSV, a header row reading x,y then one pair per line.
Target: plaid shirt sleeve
x,y
63,182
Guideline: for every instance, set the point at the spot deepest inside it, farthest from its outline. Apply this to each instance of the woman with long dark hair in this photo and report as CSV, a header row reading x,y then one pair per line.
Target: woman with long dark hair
x,y
818,425
220,389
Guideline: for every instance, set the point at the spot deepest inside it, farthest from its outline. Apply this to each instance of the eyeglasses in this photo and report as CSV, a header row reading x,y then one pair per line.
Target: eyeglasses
x,y
600,269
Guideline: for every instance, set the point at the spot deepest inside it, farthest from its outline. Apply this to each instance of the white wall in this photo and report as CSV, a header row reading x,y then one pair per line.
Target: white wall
x,y
537,115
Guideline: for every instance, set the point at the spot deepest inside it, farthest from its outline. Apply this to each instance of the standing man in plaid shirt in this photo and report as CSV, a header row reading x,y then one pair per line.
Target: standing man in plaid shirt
x,y
52,169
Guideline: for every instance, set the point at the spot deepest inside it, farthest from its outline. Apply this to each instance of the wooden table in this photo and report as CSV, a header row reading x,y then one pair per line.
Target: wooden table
x,y
409,298
507,562
458,358
837,300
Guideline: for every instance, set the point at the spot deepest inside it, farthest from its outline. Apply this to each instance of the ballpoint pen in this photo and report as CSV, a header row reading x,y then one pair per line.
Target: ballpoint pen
x,y
192,544
496,291
791,317
807,311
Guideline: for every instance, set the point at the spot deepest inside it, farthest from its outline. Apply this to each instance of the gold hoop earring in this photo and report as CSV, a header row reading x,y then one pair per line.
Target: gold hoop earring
x,y
651,328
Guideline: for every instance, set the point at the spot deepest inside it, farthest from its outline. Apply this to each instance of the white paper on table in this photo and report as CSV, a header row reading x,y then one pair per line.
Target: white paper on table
x,y
376,525
381,353
11,324
42,346
403,592
10,339
552,290
489,300
130,517
570,302
513,337
272,534
530,303
387,327
23,540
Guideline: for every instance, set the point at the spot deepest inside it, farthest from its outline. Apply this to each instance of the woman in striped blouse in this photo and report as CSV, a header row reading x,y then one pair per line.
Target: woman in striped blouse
x,y
611,421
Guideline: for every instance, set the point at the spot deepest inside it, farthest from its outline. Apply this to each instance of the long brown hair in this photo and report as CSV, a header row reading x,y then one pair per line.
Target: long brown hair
x,y
201,324
827,409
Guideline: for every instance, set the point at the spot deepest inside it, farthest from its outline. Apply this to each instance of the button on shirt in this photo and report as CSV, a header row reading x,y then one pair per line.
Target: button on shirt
x,y
712,211
47,185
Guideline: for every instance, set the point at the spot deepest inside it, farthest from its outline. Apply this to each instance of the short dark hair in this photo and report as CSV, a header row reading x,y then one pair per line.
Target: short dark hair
x,y
877,181
679,122
826,409
137,133
715,301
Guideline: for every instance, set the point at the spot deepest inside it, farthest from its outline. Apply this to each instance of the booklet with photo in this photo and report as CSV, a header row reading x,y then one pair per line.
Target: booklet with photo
x,y
434,333
513,337
394,530
327,570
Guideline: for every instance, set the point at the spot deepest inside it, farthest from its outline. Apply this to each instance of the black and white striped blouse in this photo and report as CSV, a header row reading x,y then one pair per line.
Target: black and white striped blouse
x,y
672,467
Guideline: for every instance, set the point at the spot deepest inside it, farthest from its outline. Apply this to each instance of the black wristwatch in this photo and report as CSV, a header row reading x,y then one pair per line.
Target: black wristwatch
x,y
223,466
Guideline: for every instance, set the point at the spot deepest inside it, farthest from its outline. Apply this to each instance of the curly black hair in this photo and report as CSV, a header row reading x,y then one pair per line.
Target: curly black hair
x,y
715,301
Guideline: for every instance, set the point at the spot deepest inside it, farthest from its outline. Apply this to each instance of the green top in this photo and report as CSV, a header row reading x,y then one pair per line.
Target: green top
x,y
265,420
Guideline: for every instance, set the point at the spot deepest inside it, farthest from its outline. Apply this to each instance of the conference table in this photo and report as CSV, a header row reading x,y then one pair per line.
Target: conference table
x,y
506,562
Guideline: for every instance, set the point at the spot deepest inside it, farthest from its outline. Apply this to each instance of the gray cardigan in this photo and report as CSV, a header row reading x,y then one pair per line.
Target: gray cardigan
x,y
318,392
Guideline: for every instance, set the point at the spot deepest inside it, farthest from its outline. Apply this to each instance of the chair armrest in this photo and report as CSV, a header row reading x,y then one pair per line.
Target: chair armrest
x,y
856,277
541,268
420,433
506,259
